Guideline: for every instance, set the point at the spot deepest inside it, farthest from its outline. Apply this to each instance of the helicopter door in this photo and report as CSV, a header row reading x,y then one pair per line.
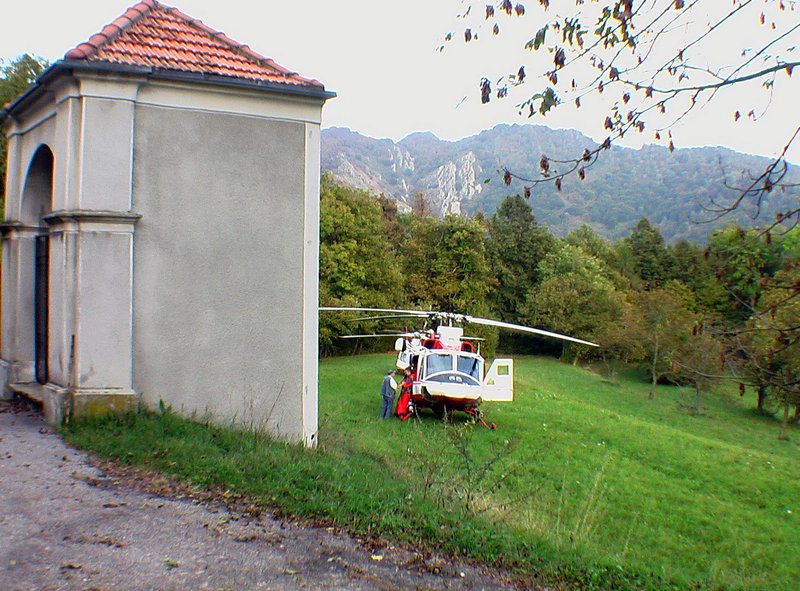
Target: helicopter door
x,y
498,385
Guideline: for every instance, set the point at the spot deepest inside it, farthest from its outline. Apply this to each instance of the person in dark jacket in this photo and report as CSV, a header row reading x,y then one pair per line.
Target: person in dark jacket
x,y
387,394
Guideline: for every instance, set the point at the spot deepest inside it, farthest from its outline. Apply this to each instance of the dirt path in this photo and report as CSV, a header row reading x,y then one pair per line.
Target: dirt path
x,y
66,524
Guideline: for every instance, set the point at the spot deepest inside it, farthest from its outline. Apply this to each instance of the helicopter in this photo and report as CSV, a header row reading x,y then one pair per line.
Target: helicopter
x,y
448,372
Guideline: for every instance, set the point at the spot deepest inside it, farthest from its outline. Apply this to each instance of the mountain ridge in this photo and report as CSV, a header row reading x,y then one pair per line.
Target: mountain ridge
x,y
671,189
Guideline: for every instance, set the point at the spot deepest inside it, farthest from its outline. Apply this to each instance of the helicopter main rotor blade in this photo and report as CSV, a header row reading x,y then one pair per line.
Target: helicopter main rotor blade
x,y
459,318
384,317
375,336
412,313
520,328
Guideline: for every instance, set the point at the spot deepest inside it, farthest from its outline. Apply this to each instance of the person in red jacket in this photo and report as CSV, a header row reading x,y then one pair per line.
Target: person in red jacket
x,y
404,407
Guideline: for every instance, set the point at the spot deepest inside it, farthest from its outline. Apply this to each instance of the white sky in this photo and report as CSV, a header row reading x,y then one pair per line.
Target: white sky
x,y
381,58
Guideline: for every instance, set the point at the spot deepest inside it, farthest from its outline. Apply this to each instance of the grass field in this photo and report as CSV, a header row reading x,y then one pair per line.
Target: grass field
x,y
596,470
584,483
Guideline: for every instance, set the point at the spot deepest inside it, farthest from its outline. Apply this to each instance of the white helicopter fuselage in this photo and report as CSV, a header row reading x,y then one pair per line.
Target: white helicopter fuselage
x,y
448,372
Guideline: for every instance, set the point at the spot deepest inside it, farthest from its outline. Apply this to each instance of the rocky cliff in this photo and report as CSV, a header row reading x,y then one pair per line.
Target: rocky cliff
x,y
673,190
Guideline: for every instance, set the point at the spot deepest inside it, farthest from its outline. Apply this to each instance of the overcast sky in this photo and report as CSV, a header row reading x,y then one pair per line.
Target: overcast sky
x,y
381,59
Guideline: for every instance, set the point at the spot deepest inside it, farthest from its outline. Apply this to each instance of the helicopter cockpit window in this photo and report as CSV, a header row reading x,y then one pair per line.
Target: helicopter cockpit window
x,y
470,366
439,363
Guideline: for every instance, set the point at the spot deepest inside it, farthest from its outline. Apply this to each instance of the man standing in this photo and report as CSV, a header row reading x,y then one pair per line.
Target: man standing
x,y
387,393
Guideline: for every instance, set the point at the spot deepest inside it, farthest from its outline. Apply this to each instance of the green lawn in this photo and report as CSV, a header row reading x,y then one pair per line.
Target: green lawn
x,y
596,469
584,484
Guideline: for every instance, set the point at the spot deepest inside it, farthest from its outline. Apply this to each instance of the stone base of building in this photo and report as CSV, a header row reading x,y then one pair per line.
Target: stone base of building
x,y
92,403
58,403
51,397
5,373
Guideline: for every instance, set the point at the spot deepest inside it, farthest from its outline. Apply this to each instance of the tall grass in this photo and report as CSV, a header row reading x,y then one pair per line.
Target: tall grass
x,y
583,482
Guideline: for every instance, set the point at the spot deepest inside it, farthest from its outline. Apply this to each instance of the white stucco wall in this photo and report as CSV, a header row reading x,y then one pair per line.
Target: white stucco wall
x,y
220,286
184,248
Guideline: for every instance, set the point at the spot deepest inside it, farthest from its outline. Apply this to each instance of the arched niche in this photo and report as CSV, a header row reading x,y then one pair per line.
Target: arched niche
x,y
37,193
37,202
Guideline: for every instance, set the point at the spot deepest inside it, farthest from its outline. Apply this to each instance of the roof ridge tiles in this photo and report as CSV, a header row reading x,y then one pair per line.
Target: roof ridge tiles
x,y
112,30
150,33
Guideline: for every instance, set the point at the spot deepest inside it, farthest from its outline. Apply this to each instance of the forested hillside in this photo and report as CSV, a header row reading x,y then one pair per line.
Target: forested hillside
x,y
672,190
685,313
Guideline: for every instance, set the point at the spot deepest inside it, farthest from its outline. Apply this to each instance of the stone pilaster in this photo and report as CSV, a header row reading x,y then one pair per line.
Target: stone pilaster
x,y
92,270
19,243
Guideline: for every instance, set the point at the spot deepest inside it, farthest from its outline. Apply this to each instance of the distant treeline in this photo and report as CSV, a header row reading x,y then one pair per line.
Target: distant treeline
x,y
687,313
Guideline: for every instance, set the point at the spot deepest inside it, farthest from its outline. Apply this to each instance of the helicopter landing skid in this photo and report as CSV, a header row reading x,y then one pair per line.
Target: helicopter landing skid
x,y
478,416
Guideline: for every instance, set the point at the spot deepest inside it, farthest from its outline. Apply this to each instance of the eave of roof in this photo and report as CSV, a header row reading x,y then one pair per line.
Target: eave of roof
x,y
161,42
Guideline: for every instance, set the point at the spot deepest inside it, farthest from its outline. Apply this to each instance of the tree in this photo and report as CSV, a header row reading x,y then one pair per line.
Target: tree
x,y
760,272
421,206
690,265
771,344
667,324
623,261
650,255
622,339
445,267
700,361
15,79
593,244
744,261
445,264
356,265
515,244
575,296
640,60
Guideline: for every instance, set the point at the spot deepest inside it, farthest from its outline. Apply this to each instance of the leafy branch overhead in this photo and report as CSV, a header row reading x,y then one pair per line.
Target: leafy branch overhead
x,y
643,66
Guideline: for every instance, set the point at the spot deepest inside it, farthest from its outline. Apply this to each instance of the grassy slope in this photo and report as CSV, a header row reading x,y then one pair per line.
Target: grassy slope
x,y
593,476
599,471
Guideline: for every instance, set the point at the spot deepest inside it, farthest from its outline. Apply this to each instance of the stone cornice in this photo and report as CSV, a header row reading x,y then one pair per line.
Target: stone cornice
x,y
92,216
77,67
15,227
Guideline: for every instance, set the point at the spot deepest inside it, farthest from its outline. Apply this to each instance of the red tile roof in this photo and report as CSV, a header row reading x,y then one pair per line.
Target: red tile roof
x,y
162,37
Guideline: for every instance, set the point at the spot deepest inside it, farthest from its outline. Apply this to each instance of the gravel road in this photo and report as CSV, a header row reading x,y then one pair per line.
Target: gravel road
x,y
67,524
